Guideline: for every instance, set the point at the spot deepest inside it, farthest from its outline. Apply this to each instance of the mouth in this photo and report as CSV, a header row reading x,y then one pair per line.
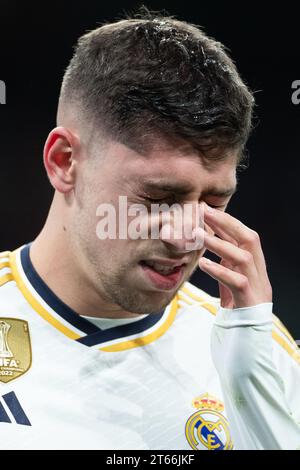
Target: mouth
x,y
163,274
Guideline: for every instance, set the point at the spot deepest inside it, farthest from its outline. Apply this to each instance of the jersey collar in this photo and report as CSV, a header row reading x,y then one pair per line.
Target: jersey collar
x,y
63,318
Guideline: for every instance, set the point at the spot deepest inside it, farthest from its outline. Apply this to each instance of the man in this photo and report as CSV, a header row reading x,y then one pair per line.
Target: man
x,y
104,344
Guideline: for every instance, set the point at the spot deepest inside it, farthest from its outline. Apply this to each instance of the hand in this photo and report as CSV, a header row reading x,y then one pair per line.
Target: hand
x,y
241,274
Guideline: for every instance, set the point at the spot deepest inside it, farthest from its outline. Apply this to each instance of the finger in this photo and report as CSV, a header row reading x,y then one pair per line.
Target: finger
x,y
237,283
221,234
220,220
226,298
241,260
247,238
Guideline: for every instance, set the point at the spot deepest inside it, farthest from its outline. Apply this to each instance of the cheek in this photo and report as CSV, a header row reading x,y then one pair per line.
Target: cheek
x,y
114,251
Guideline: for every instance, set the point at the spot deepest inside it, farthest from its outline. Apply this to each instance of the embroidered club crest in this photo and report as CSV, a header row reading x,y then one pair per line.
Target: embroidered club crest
x,y
207,428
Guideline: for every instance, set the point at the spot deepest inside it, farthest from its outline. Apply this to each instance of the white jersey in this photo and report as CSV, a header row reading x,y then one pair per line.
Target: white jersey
x,y
154,383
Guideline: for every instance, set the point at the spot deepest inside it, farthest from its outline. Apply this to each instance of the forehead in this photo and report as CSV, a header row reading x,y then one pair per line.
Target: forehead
x,y
176,169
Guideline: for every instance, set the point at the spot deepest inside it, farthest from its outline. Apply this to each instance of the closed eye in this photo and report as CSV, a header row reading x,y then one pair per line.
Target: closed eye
x,y
172,200
215,207
158,201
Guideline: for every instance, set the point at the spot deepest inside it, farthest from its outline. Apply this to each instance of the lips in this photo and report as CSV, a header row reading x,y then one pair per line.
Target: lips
x,y
162,277
161,268
164,266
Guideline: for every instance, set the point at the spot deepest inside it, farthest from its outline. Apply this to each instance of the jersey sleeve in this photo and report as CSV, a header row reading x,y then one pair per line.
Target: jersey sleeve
x,y
259,378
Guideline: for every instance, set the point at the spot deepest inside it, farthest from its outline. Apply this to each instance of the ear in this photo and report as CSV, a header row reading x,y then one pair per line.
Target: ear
x,y
60,148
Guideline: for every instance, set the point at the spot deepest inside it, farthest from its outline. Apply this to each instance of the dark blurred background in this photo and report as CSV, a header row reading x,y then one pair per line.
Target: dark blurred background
x,y
36,42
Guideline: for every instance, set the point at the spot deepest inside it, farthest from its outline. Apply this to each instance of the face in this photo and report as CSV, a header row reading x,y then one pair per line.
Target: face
x,y
119,269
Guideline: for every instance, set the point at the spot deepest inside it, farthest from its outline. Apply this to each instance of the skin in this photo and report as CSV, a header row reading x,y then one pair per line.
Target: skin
x,y
102,278
241,274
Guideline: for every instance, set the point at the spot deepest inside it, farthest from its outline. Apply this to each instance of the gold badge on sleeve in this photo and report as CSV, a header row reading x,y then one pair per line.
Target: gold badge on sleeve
x,y
15,349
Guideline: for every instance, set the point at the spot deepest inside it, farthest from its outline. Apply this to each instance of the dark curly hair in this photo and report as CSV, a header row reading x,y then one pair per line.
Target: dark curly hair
x,y
152,75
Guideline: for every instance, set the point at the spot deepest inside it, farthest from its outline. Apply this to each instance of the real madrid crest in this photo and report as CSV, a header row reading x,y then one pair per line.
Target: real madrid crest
x,y
15,349
208,429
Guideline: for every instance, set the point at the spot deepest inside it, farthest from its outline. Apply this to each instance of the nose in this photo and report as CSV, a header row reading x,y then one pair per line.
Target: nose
x,y
179,228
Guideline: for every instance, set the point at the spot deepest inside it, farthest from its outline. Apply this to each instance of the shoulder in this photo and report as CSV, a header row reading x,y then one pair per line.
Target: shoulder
x,y
193,299
284,343
286,357
6,275
9,292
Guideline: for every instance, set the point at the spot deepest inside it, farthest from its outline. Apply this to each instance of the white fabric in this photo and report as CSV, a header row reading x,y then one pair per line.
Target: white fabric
x,y
105,323
142,397
254,392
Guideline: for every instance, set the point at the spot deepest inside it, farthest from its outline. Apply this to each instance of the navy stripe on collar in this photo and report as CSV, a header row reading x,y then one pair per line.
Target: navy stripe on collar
x,y
122,330
93,334
51,299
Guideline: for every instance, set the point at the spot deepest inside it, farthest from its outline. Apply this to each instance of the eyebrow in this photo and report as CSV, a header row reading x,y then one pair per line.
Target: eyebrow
x,y
185,188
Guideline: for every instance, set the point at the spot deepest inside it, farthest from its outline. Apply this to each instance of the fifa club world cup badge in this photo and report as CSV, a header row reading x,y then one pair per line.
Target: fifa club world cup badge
x,y
15,349
207,428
